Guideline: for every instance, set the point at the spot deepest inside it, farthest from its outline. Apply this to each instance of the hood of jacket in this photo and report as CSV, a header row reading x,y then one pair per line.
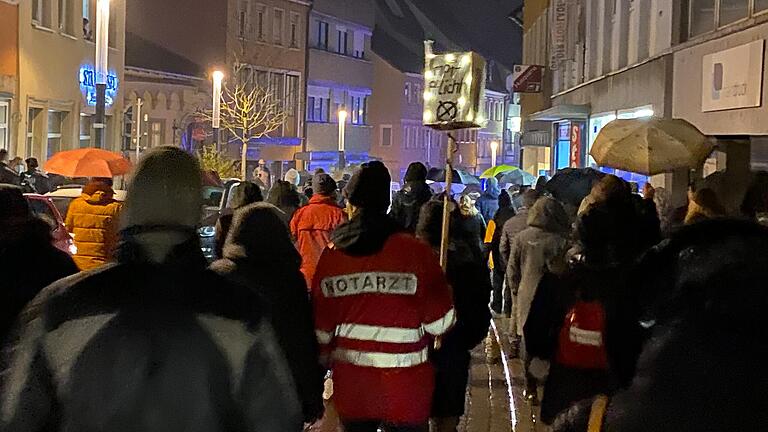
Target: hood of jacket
x,y
548,214
365,234
492,189
259,235
415,192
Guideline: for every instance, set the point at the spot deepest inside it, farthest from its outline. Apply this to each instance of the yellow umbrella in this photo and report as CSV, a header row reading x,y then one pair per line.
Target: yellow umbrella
x,y
496,170
650,145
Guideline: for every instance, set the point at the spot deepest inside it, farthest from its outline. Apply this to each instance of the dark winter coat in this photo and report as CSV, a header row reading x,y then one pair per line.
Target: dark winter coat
x,y
259,255
502,216
407,204
28,260
704,365
8,176
474,228
144,347
514,226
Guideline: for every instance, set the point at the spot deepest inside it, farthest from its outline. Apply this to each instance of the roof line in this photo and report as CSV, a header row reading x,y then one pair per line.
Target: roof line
x,y
153,72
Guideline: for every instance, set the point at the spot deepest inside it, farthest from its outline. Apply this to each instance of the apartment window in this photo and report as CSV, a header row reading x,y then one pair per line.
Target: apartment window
x,y
259,18
86,125
277,27
41,12
708,15
359,108
425,138
156,133
88,24
417,93
5,110
761,5
33,126
406,137
358,39
408,92
343,37
322,35
386,136
242,20
294,30
55,120
65,16
318,108
733,10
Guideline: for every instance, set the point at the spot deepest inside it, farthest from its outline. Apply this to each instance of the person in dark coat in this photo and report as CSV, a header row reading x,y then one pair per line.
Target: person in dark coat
x,y
503,214
243,194
28,260
471,288
7,174
34,179
155,342
488,203
408,201
603,271
708,339
259,254
473,224
284,196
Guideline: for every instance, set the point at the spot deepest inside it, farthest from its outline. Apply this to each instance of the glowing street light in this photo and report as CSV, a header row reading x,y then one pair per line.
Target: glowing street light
x,y
342,114
494,149
218,77
102,67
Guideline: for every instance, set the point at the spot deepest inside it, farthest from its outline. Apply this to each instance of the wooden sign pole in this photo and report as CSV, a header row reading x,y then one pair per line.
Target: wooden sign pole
x,y
445,238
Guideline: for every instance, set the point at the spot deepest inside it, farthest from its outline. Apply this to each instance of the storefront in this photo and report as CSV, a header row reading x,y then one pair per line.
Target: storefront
x,y
565,125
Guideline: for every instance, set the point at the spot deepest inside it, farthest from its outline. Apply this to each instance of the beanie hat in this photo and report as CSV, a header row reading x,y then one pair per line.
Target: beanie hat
x,y
369,187
292,176
416,172
166,190
323,184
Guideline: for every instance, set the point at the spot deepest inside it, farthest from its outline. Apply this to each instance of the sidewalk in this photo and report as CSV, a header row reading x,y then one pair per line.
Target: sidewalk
x,y
495,400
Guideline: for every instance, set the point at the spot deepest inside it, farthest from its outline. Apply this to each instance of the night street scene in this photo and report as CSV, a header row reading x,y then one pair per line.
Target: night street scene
x,y
383,216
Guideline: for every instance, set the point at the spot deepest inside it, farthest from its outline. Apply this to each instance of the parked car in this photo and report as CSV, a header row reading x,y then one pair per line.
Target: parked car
x,y
64,195
216,200
44,208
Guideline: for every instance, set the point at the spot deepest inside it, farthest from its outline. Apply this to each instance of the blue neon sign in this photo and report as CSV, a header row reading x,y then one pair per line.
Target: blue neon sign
x,y
87,78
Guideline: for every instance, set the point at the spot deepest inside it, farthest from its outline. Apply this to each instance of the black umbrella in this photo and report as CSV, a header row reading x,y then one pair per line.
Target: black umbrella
x,y
459,176
572,185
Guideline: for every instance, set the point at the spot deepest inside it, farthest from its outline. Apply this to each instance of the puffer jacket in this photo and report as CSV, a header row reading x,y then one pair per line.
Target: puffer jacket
x,y
311,227
93,220
537,248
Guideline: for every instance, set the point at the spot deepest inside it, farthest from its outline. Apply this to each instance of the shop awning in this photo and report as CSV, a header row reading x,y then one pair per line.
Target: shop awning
x,y
537,138
561,112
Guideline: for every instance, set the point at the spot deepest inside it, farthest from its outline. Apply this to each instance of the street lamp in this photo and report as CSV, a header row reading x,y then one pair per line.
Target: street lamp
x,y
102,65
342,132
494,149
218,77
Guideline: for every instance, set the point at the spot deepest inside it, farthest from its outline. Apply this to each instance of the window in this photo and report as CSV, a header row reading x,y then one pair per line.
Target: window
x,y
386,136
322,35
359,44
259,18
33,126
87,20
341,47
417,93
291,94
86,124
406,137
317,109
243,13
156,133
294,30
65,16
55,120
761,5
359,108
733,10
408,92
41,13
277,27
4,114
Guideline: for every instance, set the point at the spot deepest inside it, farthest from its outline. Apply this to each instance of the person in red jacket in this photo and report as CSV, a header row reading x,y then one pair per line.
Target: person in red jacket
x,y
380,299
313,224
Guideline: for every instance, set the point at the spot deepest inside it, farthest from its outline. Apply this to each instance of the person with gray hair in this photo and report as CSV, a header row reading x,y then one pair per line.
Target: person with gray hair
x,y
155,342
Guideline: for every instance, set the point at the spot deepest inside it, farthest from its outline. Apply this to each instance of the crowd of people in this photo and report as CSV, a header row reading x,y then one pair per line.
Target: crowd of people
x,y
627,315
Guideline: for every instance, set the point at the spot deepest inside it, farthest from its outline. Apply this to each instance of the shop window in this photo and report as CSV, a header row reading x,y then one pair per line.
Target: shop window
x,y
386,136
732,11
41,13
277,26
55,120
295,30
322,35
86,126
5,111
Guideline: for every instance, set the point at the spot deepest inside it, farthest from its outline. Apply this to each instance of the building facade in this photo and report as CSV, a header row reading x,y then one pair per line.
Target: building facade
x,y
340,78
256,42
47,104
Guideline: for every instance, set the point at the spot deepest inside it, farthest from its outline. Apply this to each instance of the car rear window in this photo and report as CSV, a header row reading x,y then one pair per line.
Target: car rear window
x,y
44,212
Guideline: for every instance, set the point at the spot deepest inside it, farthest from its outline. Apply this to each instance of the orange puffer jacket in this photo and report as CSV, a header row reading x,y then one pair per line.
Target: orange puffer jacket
x,y
311,227
93,220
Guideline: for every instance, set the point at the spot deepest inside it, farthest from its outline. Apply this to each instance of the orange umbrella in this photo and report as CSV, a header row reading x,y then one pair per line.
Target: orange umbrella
x,y
88,162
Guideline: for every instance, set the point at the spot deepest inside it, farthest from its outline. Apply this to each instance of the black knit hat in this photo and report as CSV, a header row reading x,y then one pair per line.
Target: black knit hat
x,y
416,172
323,184
369,187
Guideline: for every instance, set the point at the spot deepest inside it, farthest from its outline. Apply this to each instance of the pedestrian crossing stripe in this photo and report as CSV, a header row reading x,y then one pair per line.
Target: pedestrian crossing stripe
x,y
369,283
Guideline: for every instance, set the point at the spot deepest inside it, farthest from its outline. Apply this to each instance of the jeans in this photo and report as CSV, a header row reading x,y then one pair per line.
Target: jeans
x,y
374,425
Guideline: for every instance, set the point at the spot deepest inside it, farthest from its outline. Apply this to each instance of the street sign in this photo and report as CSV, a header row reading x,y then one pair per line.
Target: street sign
x,y
527,78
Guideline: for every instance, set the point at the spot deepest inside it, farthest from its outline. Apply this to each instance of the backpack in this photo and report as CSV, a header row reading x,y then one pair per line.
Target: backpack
x,y
581,344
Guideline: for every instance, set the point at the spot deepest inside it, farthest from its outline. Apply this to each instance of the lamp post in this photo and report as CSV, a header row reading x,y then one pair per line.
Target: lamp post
x,y
218,77
342,132
102,64
494,149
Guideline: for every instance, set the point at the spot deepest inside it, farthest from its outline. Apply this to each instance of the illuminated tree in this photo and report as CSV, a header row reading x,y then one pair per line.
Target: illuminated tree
x,y
212,159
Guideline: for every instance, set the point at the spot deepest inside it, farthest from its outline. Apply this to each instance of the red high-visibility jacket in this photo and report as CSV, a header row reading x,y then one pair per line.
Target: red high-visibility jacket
x,y
311,227
375,319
